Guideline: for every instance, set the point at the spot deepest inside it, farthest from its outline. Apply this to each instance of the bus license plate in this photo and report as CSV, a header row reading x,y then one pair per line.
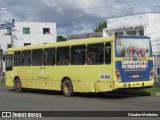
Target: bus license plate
x,y
135,76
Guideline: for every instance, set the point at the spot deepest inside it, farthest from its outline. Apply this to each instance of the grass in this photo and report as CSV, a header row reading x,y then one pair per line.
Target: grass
x,y
1,84
153,89
1,81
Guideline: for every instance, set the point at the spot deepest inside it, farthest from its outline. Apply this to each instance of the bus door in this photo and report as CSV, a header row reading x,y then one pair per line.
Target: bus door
x,y
9,72
78,68
99,67
26,69
49,78
37,68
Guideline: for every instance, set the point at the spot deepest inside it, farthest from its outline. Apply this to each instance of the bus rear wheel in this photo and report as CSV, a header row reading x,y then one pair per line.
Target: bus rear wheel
x,y
18,85
67,88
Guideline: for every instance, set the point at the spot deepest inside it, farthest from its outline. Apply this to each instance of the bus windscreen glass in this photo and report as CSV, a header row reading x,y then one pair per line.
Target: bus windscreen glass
x,y
133,47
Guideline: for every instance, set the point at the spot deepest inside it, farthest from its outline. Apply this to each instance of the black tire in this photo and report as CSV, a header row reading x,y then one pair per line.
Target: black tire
x,y
18,85
67,88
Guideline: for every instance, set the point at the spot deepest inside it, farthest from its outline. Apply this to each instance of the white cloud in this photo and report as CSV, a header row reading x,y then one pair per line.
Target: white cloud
x,y
99,13
82,5
81,19
5,15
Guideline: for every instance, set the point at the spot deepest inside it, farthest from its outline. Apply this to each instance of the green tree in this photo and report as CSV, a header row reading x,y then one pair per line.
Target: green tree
x,y
61,38
100,27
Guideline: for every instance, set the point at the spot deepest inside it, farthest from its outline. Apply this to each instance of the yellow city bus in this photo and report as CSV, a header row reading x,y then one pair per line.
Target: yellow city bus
x,y
86,65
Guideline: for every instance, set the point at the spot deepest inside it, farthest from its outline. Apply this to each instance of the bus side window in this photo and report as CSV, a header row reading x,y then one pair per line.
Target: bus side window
x,y
108,53
49,56
9,62
17,58
63,55
37,57
95,53
26,58
78,54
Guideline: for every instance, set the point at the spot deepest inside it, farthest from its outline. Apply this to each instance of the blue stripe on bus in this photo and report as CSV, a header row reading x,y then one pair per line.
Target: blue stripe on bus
x,y
127,74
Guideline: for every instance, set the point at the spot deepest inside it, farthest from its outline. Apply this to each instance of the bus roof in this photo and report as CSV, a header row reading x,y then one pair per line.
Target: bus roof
x,y
65,43
72,42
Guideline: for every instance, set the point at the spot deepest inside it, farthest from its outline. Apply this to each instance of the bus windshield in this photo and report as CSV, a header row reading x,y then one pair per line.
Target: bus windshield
x,y
133,47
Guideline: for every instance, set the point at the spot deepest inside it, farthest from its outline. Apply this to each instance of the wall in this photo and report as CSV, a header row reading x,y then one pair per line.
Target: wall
x,y
154,30
4,39
107,32
36,35
86,35
127,21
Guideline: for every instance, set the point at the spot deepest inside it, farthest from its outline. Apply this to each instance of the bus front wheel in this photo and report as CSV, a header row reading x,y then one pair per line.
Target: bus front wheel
x,y
67,88
18,85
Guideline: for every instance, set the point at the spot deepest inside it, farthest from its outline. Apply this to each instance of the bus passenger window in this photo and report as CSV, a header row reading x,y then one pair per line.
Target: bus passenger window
x,y
26,58
95,54
37,57
78,54
17,58
9,62
63,55
49,56
108,53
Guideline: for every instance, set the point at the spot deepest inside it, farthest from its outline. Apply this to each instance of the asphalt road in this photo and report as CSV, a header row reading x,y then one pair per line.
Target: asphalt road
x,y
39,100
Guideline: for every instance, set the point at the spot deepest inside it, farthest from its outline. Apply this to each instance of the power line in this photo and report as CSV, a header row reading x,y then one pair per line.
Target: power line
x,y
76,10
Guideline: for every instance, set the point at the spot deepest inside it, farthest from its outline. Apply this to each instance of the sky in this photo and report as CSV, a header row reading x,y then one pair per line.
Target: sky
x,y
73,16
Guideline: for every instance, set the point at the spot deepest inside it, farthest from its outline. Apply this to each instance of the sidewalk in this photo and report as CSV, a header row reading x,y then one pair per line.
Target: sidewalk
x,y
1,79
155,94
155,90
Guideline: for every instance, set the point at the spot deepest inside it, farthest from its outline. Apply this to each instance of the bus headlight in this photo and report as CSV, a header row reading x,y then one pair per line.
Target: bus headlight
x,y
152,74
118,76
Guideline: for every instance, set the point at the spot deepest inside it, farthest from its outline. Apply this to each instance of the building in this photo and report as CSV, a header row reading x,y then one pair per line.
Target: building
x,y
27,33
147,24
84,35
